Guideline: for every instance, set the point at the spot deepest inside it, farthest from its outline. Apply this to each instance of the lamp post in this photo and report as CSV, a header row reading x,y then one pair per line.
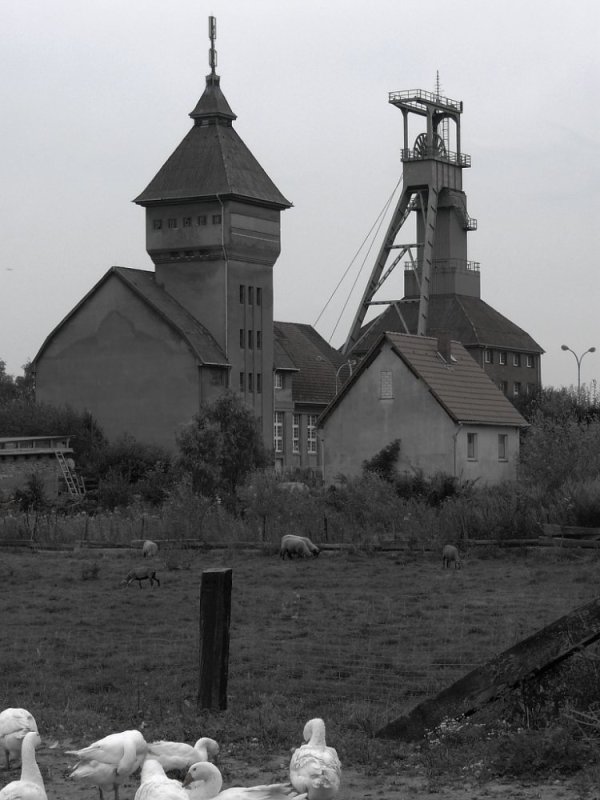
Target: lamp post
x,y
579,359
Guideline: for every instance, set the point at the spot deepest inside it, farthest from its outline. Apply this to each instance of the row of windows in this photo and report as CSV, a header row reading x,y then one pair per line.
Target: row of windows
x,y
187,222
250,339
251,382
517,388
502,357
472,447
311,432
251,295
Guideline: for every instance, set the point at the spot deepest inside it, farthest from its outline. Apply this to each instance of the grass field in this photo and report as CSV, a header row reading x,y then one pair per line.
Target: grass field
x,y
352,637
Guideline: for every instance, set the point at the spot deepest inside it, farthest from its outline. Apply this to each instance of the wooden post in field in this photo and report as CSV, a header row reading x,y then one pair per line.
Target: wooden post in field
x,y
215,611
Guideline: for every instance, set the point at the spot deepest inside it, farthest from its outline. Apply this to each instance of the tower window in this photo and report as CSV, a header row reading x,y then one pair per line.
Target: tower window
x,y
258,296
250,340
258,383
278,380
242,382
242,294
187,221
216,218
172,222
157,224
202,219
242,338
251,295
259,340
278,431
250,382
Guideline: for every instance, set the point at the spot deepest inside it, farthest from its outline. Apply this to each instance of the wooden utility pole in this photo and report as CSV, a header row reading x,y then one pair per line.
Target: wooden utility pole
x,y
215,612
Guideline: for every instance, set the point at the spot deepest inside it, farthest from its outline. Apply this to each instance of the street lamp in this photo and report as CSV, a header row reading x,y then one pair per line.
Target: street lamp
x,y
579,359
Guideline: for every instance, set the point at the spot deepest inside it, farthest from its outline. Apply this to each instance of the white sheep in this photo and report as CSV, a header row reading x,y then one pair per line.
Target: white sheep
x,y
449,555
297,547
149,549
140,574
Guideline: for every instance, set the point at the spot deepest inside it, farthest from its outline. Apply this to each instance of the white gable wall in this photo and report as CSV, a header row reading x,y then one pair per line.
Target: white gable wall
x,y
364,422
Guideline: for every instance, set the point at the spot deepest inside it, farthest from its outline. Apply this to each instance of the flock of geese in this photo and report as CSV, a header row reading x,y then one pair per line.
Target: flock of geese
x,y
315,769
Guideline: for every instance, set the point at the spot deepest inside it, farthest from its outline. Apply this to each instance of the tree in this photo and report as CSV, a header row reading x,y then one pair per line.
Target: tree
x,y
383,463
220,447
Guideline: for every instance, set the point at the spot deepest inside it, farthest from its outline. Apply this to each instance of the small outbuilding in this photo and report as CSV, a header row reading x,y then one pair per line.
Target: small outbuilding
x,y
430,394
48,457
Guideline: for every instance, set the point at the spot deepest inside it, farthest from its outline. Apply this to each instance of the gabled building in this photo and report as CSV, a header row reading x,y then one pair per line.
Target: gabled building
x,y
431,395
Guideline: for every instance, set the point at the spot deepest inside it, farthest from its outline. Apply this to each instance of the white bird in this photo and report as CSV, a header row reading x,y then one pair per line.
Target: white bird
x,y
155,785
204,782
181,756
31,784
314,767
110,761
14,724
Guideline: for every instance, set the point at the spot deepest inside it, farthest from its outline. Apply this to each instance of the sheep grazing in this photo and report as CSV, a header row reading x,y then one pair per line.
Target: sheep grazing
x,y
142,574
149,549
297,547
450,555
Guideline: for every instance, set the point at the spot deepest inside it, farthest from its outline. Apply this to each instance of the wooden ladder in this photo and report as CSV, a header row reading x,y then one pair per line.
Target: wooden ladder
x,y
72,485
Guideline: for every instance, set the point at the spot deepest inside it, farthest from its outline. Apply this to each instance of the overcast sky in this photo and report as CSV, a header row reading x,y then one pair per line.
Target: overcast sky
x,y
95,97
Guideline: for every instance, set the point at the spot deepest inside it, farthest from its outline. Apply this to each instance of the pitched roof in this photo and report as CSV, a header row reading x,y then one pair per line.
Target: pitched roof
x,y
460,386
317,362
212,161
143,284
469,320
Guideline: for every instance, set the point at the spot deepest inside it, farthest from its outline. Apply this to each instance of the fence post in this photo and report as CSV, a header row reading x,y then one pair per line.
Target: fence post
x,y
215,611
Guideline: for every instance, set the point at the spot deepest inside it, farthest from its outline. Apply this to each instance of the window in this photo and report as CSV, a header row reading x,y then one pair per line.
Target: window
x,y
242,382
278,431
258,296
250,295
516,359
250,340
259,340
216,218
488,356
530,388
472,446
157,224
217,377
502,358
202,219
187,221
258,383
502,446
516,388
530,361
172,222
504,386
311,433
296,434
250,382
278,384
242,338
385,385
242,294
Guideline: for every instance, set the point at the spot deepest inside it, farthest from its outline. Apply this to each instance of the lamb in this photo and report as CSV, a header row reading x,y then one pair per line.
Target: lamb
x,y
149,549
297,547
449,555
142,574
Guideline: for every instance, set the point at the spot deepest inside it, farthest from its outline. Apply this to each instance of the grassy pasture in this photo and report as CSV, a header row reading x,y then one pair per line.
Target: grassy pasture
x,y
353,637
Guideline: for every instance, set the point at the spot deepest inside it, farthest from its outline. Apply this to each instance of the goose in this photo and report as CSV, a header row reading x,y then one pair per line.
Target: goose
x,y
180,756
14,724
204,781
109,761
31,784
314,767
155,785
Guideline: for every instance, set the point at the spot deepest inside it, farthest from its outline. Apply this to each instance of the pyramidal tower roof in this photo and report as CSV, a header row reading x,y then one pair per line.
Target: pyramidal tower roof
x,y
212,160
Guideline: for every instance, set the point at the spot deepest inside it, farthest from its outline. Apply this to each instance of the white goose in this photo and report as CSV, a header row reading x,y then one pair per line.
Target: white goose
x,y
181,756
204,781
31,784
109,761
14,724
155,785
314,767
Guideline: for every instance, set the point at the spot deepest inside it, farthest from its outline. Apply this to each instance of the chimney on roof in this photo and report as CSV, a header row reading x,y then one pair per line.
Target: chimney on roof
x,y
444,346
